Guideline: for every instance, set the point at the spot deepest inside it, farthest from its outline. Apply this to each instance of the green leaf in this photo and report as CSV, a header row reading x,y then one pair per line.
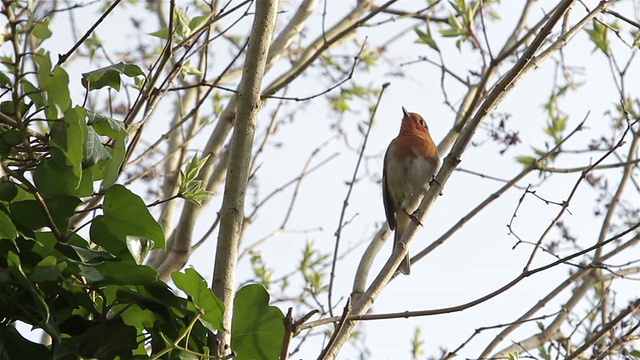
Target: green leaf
x,y
9,139
108,339
8,190
123,273
188,69
191,189
7,229
109,76
196,287
14,346
179,354
104,125
155,296
162,33
41,30
36,300
112,166
29,213
132,70
426,38
198,21
526,160
47,270
182,23
137,317
33,93
53,179
257,328
4,79
55,83
9,108
125,215
598,35
69,138
94,150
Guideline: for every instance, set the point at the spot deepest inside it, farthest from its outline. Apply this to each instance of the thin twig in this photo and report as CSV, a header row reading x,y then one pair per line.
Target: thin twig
x,y
345,203
62,58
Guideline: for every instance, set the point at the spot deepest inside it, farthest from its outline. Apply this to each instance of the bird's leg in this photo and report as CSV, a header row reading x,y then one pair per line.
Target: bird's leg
x,y
433,179
413,216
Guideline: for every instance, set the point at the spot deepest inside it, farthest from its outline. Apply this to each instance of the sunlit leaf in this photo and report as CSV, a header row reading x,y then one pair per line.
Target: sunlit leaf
x,y
196,287
257,327
109,76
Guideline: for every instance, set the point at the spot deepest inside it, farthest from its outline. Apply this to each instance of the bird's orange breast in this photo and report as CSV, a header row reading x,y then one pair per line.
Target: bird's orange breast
x,y
408,146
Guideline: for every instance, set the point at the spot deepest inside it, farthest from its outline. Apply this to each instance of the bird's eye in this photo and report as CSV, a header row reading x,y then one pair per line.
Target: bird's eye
x,y
423,123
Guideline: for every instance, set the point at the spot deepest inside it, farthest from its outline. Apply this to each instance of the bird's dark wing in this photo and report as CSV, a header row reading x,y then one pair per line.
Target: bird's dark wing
x,y
389,207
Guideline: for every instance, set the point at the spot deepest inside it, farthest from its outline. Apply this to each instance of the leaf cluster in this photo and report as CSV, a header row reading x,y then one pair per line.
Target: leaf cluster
x,y
90,291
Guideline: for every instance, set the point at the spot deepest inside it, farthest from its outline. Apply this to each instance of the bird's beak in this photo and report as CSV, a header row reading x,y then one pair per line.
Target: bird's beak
x,y
405,112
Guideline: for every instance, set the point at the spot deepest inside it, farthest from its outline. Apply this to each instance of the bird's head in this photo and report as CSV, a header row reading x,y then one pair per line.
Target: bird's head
x,y
413,122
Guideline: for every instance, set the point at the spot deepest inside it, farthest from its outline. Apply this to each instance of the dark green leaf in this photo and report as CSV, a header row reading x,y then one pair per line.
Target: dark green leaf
x,y
29,213
53,179
4,79
9,108
90,273
103,125
8,190
155,296
109,76
123,273
178,354
9,139
257,328
108,339
36,301
125,214
61,209
47,270
14,346
33,93
94,150
132,70
7,229
85,255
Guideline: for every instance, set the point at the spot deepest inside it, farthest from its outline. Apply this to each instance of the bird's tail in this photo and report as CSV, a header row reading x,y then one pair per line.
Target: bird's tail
x,y
402,223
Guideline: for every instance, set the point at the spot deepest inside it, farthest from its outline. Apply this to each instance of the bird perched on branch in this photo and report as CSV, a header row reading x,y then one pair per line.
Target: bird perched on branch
x,y
411,161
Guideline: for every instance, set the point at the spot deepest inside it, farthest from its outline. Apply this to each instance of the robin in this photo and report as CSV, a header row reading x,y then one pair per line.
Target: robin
x,y
411,161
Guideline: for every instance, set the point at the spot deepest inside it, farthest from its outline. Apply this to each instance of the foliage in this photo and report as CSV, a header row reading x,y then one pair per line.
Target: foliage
x,y
57,158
